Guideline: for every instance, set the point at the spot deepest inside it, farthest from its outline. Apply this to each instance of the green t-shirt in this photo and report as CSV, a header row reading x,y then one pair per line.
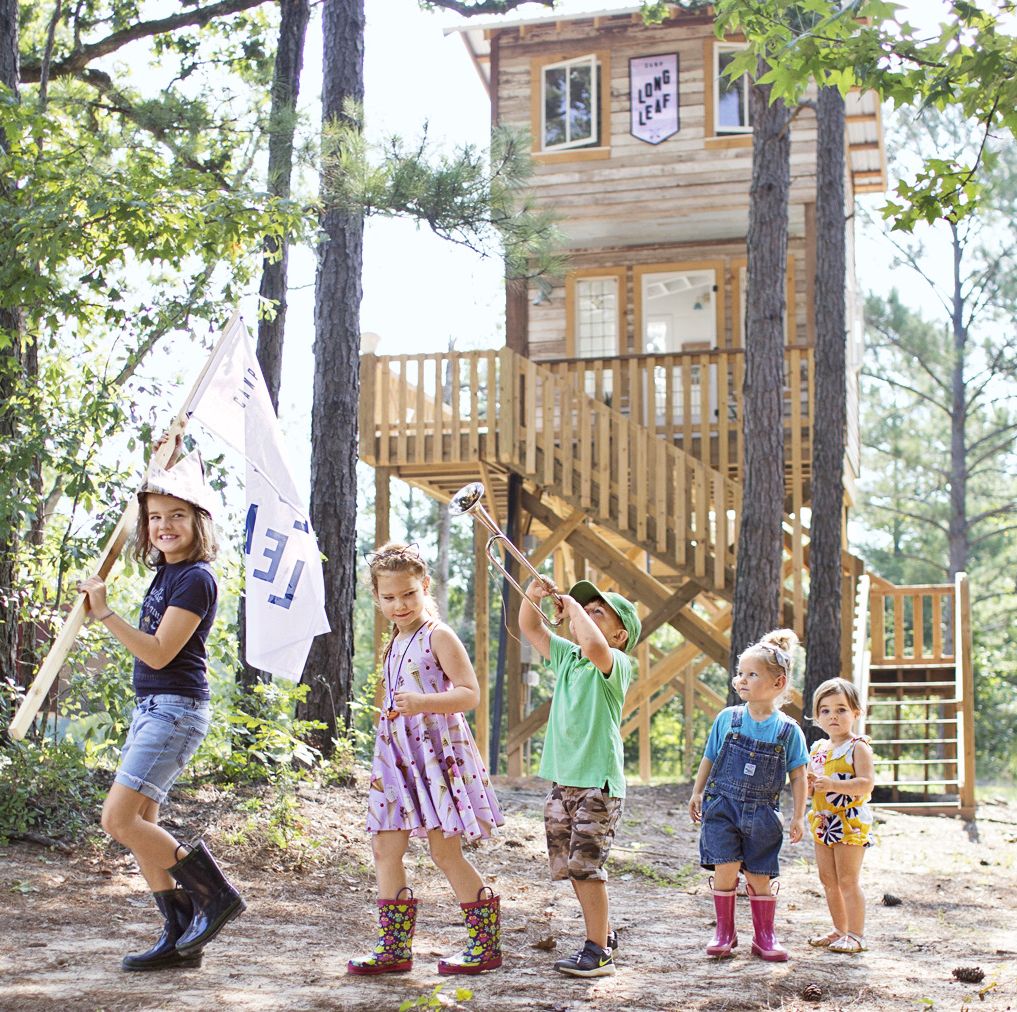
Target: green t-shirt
x,y
583,745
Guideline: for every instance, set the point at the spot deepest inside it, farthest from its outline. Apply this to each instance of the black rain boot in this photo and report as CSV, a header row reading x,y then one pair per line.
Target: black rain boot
x,y
215,900
175,906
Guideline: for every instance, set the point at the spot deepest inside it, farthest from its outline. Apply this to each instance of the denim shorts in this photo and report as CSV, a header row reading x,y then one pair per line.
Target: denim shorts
x,y
166,731
749,832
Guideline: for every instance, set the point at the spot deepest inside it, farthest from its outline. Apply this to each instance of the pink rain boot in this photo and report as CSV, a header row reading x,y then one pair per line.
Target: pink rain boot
x,y
764,942
726,937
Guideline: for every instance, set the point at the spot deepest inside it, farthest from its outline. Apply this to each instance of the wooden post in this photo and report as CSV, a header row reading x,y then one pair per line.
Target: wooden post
x,y
513,661
54,660
382,508
482,631
645,753
966,693
689,715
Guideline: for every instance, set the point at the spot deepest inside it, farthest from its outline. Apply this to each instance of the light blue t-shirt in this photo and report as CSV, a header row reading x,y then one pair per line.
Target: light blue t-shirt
x,y
768,730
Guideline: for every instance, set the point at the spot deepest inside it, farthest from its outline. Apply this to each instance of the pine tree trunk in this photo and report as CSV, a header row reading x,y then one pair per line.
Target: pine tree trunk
x,y
338,292
11,369
958,527
757,594
289,60
823,620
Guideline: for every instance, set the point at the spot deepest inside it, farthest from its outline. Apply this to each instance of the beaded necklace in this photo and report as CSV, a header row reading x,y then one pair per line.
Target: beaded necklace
x,y
391,684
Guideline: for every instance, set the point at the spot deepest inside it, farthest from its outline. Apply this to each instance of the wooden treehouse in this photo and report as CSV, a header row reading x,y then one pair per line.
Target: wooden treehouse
x,y
608,430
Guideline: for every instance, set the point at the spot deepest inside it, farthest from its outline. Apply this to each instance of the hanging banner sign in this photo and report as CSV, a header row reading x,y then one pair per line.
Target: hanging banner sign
x,y
653,97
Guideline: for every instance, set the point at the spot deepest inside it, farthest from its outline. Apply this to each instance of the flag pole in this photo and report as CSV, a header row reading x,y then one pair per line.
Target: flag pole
x,y
61,646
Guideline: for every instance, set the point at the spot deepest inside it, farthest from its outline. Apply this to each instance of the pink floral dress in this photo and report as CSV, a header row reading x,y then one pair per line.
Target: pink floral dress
x,y
427,773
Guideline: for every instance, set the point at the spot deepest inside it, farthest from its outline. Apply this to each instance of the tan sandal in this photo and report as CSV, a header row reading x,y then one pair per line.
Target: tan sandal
x,y
824,941
850,944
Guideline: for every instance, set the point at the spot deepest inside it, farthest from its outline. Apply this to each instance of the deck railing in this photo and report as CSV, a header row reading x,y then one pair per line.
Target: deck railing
x,y
919,692
447,408
694,398
912,625
440,407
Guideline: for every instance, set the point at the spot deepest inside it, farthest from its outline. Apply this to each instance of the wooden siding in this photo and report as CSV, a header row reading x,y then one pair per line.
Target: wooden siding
x,y
550,322
641,190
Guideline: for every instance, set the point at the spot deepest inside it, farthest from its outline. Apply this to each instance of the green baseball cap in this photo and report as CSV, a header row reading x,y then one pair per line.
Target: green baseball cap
x,y
584,592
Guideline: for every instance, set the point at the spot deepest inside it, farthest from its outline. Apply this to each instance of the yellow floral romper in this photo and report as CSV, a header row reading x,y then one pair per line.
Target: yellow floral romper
x,y
838,818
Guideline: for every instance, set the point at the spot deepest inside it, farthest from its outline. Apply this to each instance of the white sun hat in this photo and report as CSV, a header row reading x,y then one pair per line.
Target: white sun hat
x,y
184,480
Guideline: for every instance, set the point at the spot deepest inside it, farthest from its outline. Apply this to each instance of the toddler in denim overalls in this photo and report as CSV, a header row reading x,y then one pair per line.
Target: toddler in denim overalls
x,y
752,748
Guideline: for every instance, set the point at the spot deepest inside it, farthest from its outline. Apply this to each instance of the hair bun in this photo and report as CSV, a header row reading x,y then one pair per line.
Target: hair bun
x,y
786,639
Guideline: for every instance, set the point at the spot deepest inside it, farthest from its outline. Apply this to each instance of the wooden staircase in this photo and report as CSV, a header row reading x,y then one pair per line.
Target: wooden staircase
x,y
916,677
626,491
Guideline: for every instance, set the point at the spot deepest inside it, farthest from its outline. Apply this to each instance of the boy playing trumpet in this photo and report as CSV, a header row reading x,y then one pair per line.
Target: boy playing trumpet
x,y
583,756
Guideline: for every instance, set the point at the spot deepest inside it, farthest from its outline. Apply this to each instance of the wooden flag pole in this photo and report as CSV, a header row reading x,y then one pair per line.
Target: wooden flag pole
x,y
61,646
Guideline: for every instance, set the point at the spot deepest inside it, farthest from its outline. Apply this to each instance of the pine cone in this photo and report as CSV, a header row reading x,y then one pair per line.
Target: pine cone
x,y
812,992
889,900
969,974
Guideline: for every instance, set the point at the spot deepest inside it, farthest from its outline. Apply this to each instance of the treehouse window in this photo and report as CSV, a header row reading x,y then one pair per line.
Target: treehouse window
x,y
570,104
732,114
597,317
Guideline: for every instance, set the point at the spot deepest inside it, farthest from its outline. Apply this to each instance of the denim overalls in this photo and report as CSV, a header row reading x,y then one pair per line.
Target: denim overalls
x,y
741,804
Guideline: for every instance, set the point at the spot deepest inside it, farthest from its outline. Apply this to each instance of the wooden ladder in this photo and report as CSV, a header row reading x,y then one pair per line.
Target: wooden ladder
x,y
918,688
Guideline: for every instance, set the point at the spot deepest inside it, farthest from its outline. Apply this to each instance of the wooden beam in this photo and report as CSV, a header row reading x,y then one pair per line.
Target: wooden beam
x,y
645,755
663,614
513,660
482,626
558,535
965,691
382,502
645,588
489,499
685,677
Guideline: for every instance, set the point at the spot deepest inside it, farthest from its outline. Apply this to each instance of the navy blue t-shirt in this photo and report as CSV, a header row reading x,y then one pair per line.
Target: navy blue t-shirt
x,y
191,586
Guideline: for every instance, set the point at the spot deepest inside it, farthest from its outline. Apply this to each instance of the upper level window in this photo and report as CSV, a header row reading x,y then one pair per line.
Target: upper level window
x,y
732,114
570,103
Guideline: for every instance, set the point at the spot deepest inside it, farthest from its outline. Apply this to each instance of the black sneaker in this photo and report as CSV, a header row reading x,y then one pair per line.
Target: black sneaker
x,y
590,961
612,941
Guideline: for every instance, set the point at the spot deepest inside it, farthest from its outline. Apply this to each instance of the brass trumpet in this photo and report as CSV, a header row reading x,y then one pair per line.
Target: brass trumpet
x,y
468,500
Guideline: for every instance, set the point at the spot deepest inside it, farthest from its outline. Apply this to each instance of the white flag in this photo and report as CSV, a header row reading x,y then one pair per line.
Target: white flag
x,y
284,585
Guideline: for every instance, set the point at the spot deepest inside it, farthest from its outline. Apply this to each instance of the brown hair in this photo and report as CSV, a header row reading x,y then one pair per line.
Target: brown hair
x,y
396,557
203,549
830,688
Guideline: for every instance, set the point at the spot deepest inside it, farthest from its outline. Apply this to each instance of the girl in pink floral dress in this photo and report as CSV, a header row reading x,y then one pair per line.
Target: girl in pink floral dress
x,y
427,778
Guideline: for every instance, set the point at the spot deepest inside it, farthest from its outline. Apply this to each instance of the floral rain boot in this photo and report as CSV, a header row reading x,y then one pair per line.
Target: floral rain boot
x,y
764,941
483,926
393,951
725,938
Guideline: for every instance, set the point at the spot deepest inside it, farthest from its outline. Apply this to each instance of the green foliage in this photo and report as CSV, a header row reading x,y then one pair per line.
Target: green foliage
x,y
48,789
435,999
970,64
940,419
256,737
471,198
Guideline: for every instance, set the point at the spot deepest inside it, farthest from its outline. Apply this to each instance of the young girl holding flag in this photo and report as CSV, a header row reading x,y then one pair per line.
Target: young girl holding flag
x,y
175,536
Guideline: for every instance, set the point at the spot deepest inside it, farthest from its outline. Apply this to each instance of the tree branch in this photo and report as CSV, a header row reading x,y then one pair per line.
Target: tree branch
x,y
172,319
910,516
81,56
1007,509
469,10
908,389
103,84
982,538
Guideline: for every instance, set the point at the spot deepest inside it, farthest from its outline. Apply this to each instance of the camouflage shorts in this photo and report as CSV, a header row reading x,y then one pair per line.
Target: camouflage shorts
x,y
580,823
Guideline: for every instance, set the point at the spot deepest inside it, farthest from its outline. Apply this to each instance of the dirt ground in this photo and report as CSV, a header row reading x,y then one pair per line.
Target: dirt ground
x,y
66,919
